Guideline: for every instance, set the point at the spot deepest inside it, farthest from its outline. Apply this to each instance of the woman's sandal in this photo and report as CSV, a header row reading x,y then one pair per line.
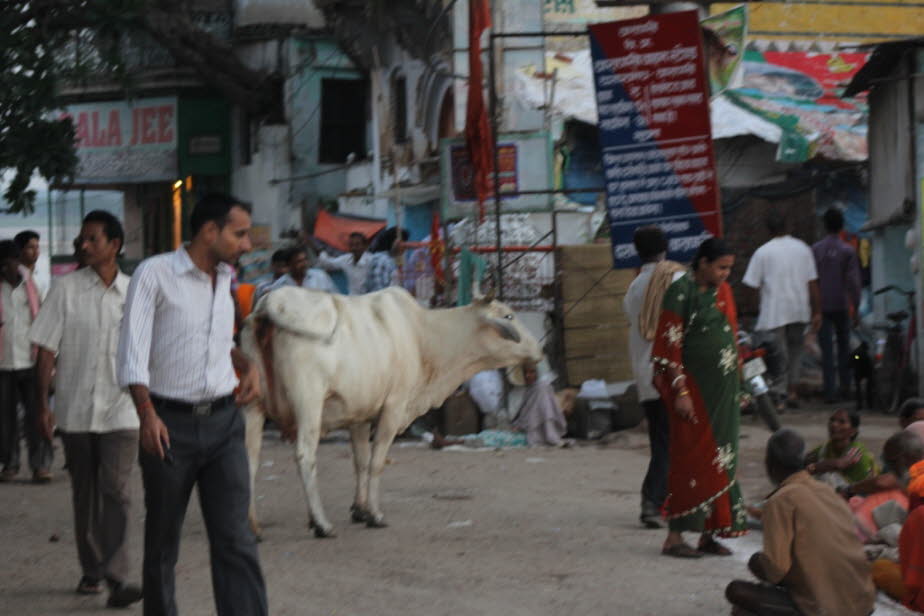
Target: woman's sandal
x,y
713,548
680,550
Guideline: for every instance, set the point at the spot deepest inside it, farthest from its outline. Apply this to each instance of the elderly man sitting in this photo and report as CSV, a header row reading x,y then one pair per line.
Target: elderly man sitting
x,y
812,562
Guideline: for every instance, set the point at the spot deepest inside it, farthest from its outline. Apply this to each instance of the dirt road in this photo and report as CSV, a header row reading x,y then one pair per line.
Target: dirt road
x,y
517,532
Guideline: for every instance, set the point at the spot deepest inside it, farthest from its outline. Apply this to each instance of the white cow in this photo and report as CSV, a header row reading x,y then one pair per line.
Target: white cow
x,y
335,361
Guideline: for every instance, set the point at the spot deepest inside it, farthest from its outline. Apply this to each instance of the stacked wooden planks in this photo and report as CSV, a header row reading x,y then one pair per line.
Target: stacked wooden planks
x,y
595,329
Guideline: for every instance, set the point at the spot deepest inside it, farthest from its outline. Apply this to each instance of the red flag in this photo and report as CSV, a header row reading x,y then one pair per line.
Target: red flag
x,y
436,249
477,133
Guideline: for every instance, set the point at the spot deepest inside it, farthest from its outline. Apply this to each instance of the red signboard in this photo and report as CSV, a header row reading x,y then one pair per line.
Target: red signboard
x,y
655,133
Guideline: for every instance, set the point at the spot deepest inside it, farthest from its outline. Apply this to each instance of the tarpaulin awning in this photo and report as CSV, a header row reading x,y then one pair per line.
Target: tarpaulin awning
x,y
335,230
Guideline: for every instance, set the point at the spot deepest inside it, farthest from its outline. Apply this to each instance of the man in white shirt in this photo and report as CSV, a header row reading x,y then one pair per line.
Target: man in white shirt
x,y
79,323
19,303
301,275
651,245
178,359
28,243
783,270
354,264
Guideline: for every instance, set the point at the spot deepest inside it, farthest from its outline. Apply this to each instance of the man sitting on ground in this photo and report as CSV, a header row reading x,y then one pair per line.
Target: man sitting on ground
x,y
812,561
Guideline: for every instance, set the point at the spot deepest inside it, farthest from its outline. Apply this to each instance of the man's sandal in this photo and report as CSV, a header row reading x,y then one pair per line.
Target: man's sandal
x,y
680,550
89,586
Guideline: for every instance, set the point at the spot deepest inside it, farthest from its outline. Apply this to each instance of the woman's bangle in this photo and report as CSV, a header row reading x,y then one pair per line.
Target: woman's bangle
x,y
677,378
682,393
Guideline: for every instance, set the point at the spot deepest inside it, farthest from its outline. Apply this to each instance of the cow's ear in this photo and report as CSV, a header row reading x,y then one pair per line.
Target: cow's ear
x,y
504,329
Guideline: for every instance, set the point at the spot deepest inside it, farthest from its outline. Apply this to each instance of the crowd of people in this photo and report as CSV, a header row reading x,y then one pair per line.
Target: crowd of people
x,y
838,526
146,368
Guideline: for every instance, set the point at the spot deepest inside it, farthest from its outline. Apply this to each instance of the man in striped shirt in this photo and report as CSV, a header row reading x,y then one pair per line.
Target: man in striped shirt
x,y
178,359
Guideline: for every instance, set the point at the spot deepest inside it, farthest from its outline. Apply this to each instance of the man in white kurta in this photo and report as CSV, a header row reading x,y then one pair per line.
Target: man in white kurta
x,y
783,270
77,332
354,264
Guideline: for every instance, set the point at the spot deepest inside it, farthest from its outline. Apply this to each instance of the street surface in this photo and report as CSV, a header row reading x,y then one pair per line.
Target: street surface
x,y
472,533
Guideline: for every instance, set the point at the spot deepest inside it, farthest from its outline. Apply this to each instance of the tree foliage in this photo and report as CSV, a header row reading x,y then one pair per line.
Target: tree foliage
x,y
47,43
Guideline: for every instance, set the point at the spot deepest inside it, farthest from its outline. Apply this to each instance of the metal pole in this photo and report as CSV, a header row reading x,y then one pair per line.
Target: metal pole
x,y
492,98
51,246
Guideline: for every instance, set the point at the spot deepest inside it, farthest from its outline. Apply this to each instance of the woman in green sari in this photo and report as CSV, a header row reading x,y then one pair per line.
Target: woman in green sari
x,y
843,460
697,374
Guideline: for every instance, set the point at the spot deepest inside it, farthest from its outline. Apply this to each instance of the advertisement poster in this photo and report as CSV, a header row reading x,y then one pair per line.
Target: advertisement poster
x,y
725,36
655,135
463,186
801,92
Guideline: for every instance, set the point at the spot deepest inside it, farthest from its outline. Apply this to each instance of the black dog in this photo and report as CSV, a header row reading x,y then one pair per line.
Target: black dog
x,y
862,366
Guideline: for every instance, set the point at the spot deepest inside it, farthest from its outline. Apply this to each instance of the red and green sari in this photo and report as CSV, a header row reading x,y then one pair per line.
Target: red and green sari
x,y
696,335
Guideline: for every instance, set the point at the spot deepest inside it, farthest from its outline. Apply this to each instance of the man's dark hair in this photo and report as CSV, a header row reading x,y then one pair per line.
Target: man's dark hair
x,y
776,223
294,252
111,225
786,451
8,250
834,220
24,237
649,241
909,406
280,256
711,249
358,234
385,239
214,207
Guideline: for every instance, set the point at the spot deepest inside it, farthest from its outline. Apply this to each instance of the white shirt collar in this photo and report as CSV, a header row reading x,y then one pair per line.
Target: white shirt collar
x,y
183,263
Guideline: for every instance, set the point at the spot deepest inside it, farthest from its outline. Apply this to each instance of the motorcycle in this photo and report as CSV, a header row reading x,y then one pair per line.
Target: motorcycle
x,y
755,383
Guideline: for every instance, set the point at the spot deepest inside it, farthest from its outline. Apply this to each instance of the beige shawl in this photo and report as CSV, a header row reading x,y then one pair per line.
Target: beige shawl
x,y
661,278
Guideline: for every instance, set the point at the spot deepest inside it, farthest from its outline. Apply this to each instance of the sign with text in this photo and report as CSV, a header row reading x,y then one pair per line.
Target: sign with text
x,y
653,107
125,141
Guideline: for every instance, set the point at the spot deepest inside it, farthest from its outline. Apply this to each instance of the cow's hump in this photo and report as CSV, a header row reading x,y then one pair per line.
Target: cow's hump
x,y
302,311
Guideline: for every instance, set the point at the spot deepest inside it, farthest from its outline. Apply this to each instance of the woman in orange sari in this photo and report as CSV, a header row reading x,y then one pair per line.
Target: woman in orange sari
x,y
697,374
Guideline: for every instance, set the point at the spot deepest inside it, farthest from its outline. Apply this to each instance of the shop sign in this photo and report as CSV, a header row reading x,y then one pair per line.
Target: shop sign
x,y
125,141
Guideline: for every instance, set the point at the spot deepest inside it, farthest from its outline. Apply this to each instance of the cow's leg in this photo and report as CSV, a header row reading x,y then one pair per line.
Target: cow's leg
x,y
362,451
385,432
306,456
253,439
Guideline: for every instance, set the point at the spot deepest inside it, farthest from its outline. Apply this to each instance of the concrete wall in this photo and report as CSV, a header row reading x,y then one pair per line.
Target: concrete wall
x,y
832,22
890,135
271,204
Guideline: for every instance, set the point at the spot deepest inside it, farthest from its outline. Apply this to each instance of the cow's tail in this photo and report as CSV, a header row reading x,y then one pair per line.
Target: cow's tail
x,y
257,344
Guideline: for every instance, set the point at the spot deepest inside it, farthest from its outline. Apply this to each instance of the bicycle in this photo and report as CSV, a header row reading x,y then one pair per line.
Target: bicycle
x,y
895,379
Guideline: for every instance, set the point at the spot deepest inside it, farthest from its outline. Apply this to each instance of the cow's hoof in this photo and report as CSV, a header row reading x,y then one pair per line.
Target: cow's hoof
x,y
376,521
358,514
324,533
